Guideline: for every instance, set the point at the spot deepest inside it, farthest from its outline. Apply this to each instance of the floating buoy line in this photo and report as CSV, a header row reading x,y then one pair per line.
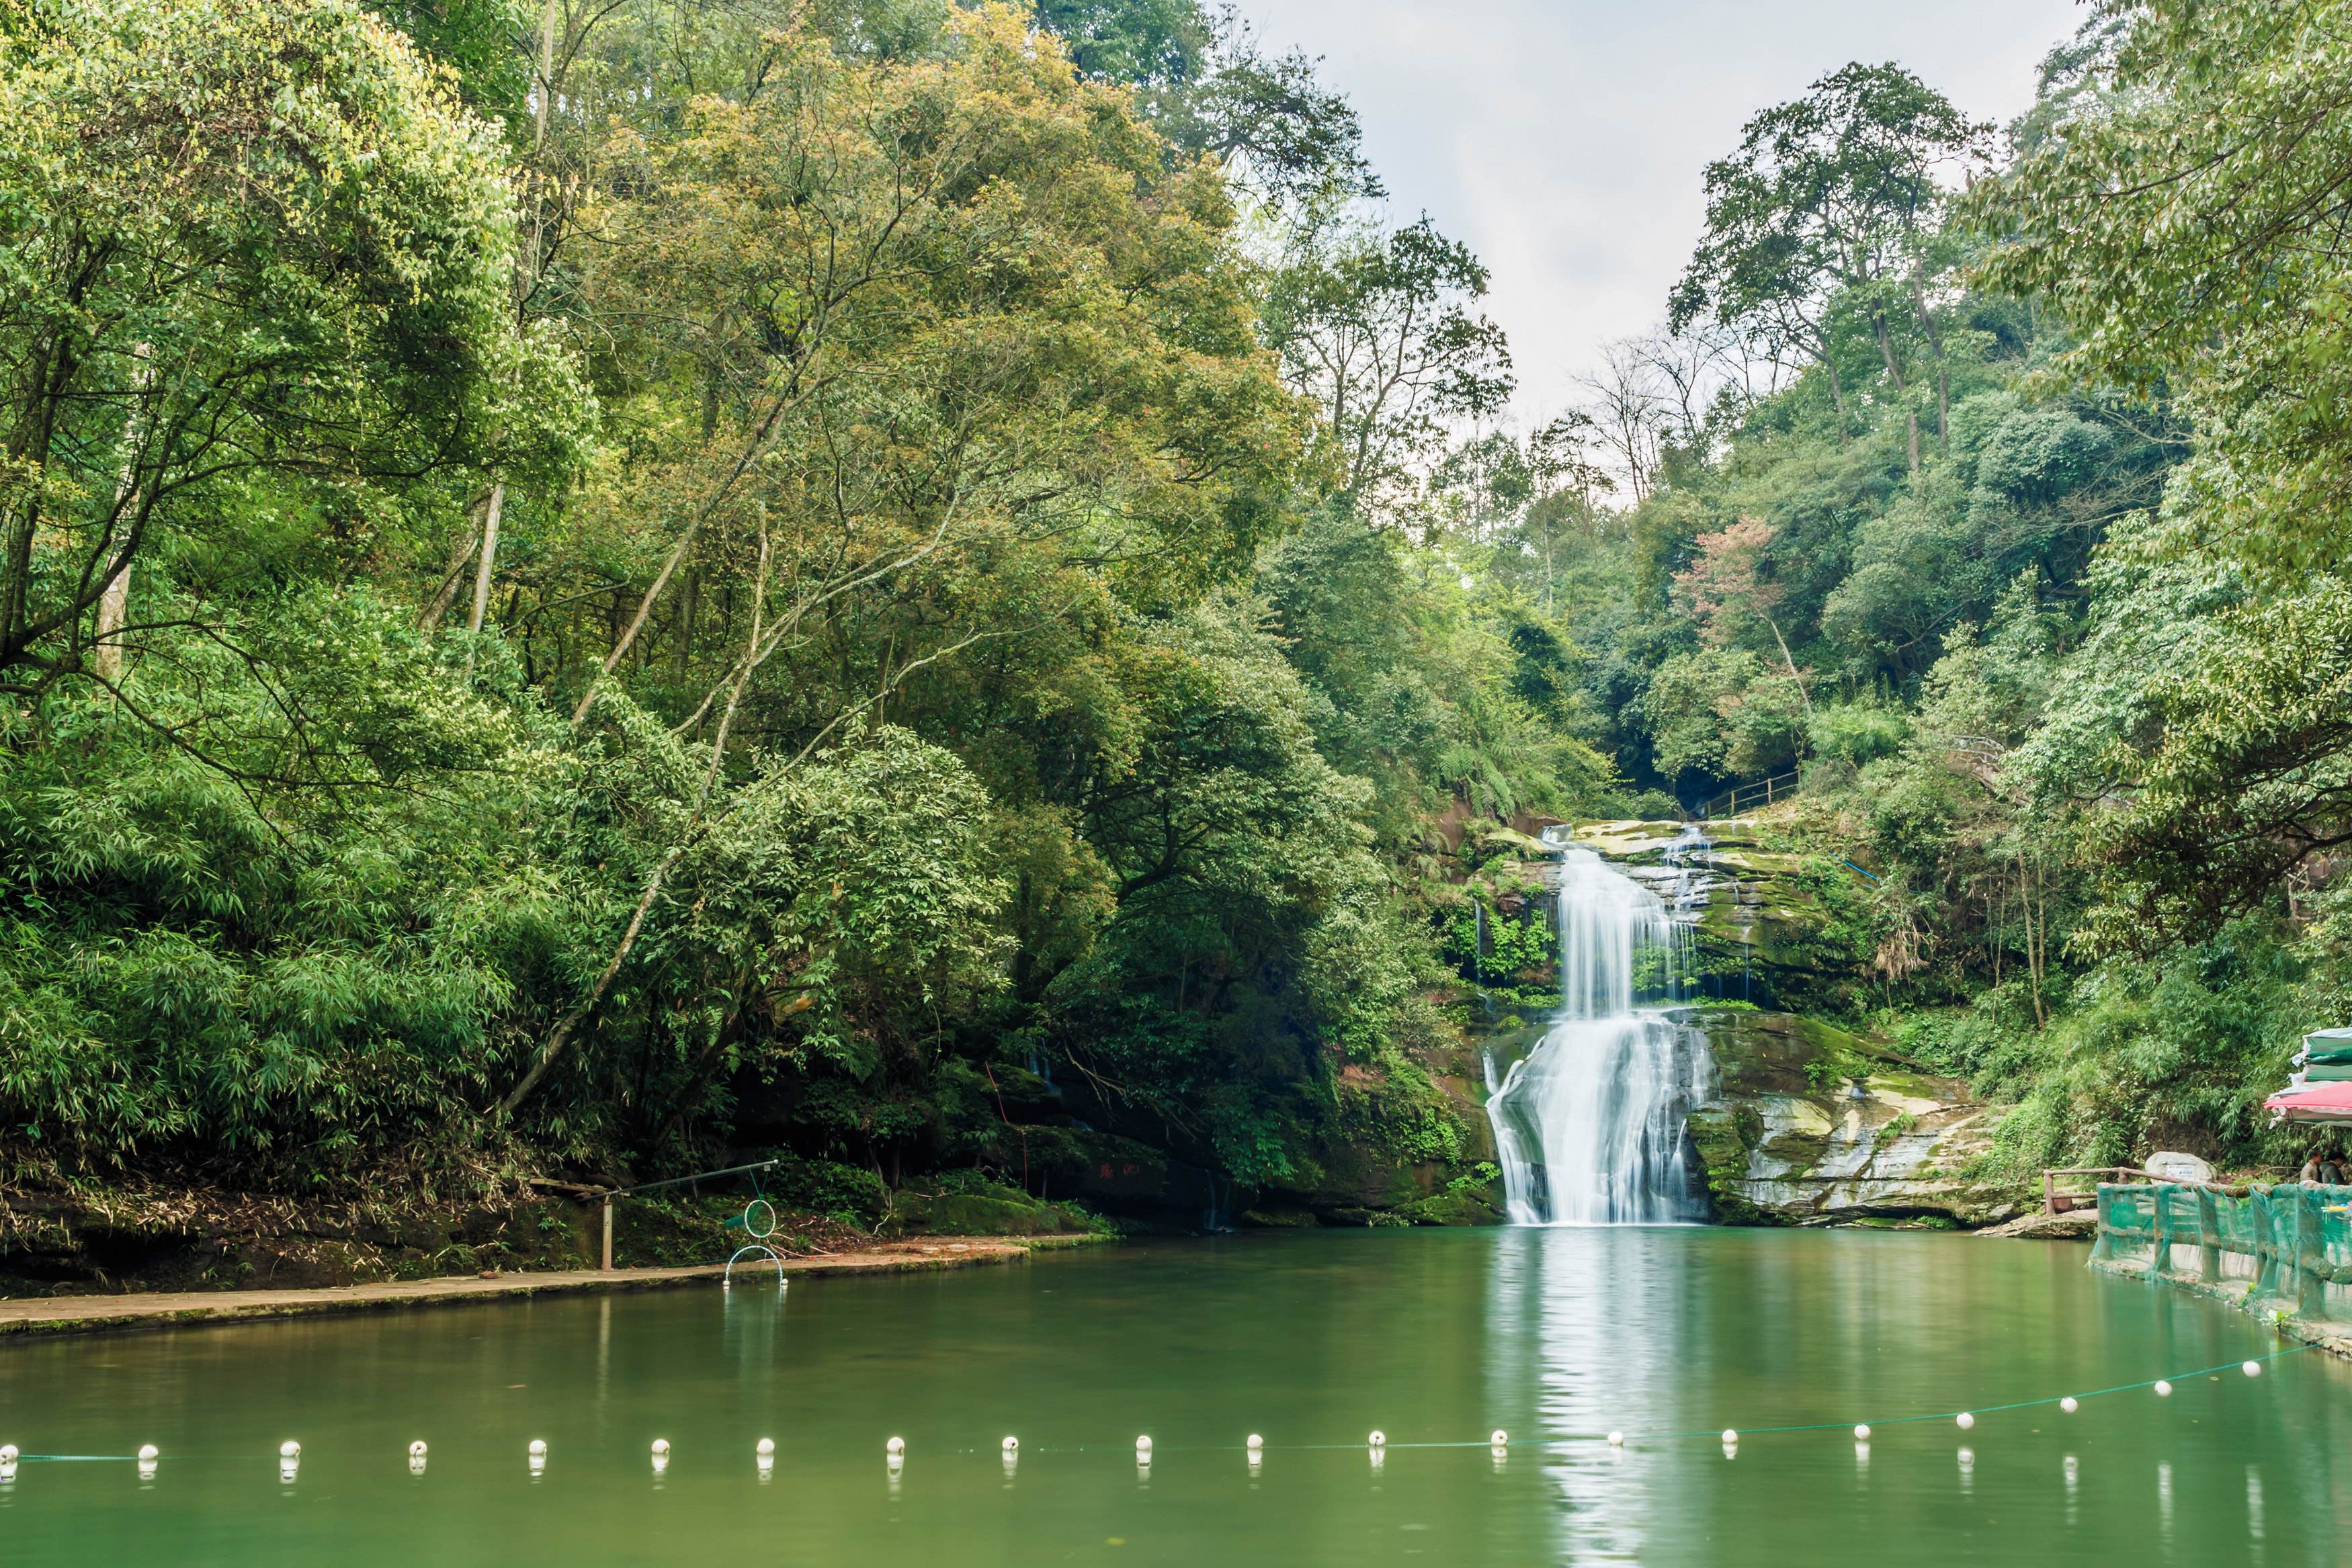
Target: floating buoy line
x,y
149,1458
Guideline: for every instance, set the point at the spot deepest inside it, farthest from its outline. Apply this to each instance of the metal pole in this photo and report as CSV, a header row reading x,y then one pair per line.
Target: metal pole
x,y
608,1235
698,1175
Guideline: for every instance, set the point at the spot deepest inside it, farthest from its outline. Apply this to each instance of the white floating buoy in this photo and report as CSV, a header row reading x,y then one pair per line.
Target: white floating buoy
x,y
2070,1405
539,1447
1378,1439
1730,1437
1499,1439
1256,1442
765,1447
2163,1389
8,1453
1616,1440
1862,1433
2253,1369
1964,1420
1144,1447
661,1448
1011,1445
290,1449
416,1450
148,1453
895,1447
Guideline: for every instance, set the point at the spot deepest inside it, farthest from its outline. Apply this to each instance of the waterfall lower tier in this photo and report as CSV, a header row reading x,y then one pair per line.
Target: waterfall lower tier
x,y
1589,1126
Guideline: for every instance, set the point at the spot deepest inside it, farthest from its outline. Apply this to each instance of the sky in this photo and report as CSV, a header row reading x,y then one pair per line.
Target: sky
x,y
1564,140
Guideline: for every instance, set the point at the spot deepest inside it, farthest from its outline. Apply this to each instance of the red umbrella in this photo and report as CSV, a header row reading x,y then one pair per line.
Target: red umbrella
x,y
2312,1103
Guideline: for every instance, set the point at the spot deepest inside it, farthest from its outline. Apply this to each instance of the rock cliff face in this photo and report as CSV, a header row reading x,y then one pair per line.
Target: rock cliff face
x,y
1808,1124
1764,929
1811,1125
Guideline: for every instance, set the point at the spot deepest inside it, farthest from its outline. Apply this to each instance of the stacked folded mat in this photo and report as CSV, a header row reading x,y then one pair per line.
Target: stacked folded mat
x,y
2326,1057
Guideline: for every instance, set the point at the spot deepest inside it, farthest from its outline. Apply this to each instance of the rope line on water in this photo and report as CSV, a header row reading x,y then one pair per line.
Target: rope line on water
x,y
1567,1439
1553,1441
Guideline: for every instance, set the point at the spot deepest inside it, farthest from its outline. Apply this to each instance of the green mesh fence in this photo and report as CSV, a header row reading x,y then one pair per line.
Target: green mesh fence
x,y
2270,1250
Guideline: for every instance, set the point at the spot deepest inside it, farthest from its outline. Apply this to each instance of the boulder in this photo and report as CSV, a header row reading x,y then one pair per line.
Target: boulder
x,y
2170,1167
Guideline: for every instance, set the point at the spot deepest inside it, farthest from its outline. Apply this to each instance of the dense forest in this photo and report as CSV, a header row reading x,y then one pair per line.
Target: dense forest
x,y
589,588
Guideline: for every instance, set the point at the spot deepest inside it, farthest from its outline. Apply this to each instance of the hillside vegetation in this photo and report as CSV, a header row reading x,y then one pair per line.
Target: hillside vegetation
x,y
940,588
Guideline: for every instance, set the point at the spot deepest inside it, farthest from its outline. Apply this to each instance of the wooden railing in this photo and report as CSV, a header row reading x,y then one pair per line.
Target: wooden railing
x,y
2055,1201
1727,803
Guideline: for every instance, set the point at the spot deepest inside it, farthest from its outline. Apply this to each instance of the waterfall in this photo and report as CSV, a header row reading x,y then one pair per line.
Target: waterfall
x,y
1588,1126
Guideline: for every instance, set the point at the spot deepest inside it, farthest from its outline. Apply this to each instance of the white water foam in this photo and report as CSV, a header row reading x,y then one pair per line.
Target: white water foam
x,y
1588,1126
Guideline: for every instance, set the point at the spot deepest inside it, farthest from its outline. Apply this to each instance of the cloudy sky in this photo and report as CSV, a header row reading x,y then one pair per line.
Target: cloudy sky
x,y
1564,140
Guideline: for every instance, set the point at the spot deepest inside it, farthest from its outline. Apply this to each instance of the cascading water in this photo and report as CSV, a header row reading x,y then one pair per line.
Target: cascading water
x,y
1588,1126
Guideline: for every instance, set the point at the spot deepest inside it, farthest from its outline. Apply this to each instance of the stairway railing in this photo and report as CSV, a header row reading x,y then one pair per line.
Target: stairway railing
x,y
1727,803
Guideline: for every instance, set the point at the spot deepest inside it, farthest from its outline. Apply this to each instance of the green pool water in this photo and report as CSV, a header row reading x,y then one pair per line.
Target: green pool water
x,y
1436,1337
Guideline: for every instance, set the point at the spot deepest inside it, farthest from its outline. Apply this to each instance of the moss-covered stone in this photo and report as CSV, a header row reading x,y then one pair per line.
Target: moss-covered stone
x,y
1763,929
1812,1125
1723,1135
996,1211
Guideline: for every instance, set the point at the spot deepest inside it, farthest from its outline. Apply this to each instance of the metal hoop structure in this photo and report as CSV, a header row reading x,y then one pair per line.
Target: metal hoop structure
x,y
758,1220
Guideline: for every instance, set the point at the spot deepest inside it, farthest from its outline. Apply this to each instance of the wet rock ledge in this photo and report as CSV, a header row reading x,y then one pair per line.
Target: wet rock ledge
x,y
1811,1125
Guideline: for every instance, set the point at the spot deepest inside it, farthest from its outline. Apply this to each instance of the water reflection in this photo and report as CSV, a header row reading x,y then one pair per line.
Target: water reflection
x,y
1566,1305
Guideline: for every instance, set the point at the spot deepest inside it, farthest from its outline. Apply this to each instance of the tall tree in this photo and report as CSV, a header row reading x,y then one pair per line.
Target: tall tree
x,y
2188,220
1383,334
1830,196
248,243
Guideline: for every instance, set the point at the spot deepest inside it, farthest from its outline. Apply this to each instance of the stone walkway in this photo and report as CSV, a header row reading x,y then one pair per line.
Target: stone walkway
x,y
102,1315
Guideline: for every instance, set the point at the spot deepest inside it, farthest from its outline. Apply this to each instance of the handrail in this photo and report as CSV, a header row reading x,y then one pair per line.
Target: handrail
x,y
1729,800
2050,1193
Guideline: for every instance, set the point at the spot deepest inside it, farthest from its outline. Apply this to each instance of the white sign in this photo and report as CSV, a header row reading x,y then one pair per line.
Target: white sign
x,y
2176,1167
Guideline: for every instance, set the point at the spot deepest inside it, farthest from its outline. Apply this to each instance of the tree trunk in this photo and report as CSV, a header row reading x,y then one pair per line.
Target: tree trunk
x,y
1894,375
489,567
1943,366
1837,391
2037,939
569,1025
428,619
114,599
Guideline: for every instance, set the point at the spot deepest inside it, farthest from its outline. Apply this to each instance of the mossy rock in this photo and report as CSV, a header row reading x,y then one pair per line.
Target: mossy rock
x,y
1723,1135
1636,842
1467,1206
1812,1125
1004,1211
1763,931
